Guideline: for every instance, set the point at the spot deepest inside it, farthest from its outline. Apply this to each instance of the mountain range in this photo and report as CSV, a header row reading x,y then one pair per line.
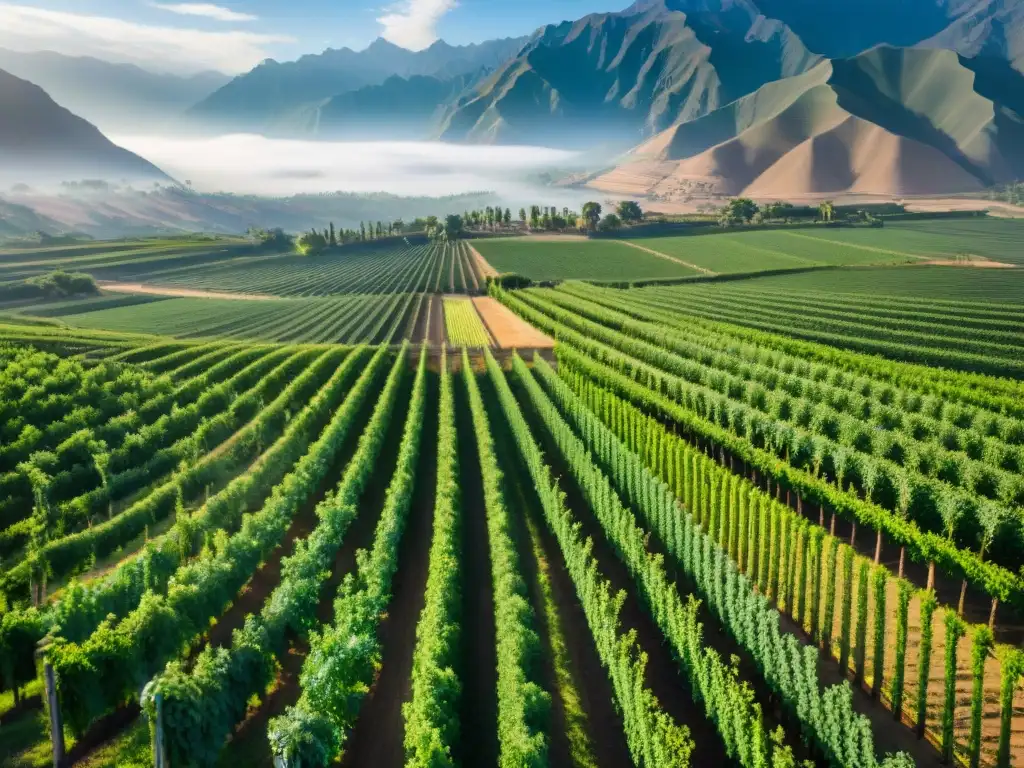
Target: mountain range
x,y
890,121
268,98
112,96
42,143
710,96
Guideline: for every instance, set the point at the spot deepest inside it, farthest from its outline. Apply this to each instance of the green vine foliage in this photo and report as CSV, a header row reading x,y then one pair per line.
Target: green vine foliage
x,y
120,657
673,397
879,583
861,640
432,713
202,707
81,608
655,740
981,645
846,617
788,668
928,605
1012,668
343,657
955,629
904,592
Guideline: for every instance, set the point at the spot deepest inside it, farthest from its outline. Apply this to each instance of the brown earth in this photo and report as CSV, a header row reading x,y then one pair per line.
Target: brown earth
x,y
435,325
508,329
977,264
191,293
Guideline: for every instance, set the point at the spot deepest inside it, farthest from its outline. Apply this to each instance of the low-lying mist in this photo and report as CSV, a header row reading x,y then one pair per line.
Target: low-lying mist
x,y
250,164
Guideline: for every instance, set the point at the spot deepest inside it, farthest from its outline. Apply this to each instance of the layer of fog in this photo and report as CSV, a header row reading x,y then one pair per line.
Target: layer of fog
x,y
249,164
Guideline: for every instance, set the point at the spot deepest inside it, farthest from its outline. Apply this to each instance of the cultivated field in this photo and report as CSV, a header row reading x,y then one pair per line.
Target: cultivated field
x,y
576,259
971,336
967,285
757,522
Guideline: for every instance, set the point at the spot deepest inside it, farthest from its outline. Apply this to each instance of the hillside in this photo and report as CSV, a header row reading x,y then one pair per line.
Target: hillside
x,y
616,76
108,94
891,121
273,91
986,28
42,143
399,108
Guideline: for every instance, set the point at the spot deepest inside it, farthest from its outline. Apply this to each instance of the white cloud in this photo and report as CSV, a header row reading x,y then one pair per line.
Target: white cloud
x,y
207,10
412,24
25,28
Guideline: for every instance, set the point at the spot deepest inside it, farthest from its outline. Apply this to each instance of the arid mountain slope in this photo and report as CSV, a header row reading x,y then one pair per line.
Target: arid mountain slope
x,y
623,76
890,121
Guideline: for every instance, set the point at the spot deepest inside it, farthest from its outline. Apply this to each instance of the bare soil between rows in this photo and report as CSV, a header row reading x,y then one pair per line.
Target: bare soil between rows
x,y
507,329
191,293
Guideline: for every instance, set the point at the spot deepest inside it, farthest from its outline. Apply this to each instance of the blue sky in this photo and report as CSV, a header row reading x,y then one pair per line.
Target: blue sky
x,y
233,35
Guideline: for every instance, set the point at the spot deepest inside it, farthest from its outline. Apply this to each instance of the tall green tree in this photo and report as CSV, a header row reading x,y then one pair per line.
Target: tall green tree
x,y
629,211
591,214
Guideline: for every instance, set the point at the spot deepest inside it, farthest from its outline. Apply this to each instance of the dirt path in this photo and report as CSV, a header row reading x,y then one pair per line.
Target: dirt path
x,y
418,332
484,267
379,732
554,238
665,256
191,293
507,329
976,264
435,325
479,717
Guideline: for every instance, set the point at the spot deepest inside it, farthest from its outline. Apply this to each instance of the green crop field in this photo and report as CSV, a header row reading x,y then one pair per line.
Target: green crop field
x,y
770,250
966,284
733,522
895,243
347,319
576,259
463,324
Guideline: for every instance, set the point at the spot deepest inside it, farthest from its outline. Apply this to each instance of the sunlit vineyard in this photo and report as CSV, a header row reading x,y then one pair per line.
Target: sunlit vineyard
x,y
356,528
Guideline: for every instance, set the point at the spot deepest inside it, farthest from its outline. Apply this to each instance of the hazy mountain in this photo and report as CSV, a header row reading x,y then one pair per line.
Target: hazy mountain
x,y
260,98
110,95
398,108
890,121
623,76
173,210
43,143
985,28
